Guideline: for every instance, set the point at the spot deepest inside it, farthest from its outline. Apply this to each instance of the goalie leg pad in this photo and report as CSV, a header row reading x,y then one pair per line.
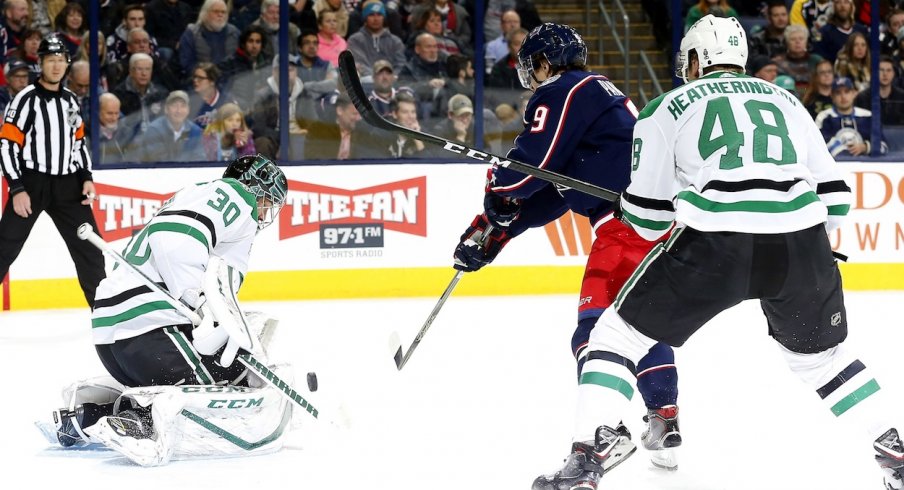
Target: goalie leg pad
x,y
202,421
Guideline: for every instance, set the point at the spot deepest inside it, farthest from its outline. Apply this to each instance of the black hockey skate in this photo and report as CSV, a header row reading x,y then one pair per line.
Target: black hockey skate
x,y
662,436
588,461
135,423
890,456
70,424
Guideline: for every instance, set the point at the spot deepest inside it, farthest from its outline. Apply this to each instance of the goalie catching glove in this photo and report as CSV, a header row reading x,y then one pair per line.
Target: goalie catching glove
x,y
479,245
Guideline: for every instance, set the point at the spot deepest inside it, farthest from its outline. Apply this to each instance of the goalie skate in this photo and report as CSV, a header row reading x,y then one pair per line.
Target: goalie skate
x,y
588,461
131,434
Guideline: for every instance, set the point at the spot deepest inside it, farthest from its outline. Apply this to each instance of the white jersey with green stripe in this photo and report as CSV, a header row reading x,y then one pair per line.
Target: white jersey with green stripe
x,y
173,249
728,152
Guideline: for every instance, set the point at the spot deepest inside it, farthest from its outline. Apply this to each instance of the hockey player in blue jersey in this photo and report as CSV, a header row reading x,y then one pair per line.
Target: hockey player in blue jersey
x,y
579,124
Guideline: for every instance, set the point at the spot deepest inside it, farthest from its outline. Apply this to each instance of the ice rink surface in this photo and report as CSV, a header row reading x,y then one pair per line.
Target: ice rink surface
x,y
485,402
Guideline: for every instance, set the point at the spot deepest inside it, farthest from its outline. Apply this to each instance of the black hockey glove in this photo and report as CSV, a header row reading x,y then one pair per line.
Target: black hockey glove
x,y
501,211
476,249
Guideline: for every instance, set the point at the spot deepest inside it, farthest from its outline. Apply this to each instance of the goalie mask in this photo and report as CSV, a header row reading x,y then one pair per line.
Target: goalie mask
x,y
717,41
265,180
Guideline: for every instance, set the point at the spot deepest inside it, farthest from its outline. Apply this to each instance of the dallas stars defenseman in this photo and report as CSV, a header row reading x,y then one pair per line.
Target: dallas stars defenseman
x,y
741,169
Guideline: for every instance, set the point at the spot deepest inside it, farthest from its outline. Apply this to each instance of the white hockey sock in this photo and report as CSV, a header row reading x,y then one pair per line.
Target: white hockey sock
x,y
847,387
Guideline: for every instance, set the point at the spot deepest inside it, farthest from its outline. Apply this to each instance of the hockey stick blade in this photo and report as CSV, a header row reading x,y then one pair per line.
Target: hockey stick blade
x,y
349,75
395,349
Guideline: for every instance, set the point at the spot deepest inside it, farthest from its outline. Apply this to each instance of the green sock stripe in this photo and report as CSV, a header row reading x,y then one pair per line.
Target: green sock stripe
x,y
609,381
856,397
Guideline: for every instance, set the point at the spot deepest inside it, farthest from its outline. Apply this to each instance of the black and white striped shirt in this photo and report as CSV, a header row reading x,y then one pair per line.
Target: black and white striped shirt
x,y
43,131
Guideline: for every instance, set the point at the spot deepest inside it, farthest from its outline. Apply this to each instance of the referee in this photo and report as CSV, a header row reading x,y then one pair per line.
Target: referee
x,y
46,163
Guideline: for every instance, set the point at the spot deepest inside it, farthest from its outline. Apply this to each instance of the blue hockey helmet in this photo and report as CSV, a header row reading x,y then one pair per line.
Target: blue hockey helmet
x,y
559,44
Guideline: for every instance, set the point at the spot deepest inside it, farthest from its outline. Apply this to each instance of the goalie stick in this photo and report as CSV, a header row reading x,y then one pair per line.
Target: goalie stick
x,y
85,232
352,83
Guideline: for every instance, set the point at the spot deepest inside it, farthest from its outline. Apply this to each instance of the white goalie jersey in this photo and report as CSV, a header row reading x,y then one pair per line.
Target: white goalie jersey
x,y
215,218
728,152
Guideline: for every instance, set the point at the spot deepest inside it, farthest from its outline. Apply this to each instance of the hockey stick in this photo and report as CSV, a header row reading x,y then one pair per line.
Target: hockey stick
x,y
352,82
395,343
85,232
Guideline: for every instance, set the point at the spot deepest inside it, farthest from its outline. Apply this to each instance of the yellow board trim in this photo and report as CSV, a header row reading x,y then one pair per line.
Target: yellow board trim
x,y
39,294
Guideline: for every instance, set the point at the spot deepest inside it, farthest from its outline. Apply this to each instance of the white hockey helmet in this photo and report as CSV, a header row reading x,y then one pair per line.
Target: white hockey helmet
x,y
717,41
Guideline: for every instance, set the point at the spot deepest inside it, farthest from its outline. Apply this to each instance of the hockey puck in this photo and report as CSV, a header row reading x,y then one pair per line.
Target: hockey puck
x,y
312,381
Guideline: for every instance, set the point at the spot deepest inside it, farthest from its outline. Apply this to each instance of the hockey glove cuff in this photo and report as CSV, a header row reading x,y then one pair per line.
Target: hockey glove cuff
x,y
501,211
478,247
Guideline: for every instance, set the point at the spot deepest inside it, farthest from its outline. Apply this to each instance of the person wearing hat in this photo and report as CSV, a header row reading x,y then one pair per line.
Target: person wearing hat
x,y
174,137
16,73
458,125
763,67
845,128
383,90
45,160
374,42
787,83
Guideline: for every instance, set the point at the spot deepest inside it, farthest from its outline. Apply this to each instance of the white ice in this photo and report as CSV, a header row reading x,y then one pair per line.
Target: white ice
x,y
486,402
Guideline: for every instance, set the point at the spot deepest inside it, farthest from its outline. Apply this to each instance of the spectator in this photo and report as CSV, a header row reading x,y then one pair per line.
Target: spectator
x,y
456,23
336,7
787,83
796,61
460,73
770,40
763,67
246,71
318,75
141,98
392,21
79,82
173,138
40,18
28,52
115,141
227,137
403,109
374,42
719,8
110,13
133,17
265,117
812,14
167,21
431,23
505,72
14,26
206,97
16,73
458,125
891,98
341,138
383,91
269,21
889,40
426,75
845,128
493,10
139,41
71,23
498,48
330,42
834,35
854,61
818,96
211,38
